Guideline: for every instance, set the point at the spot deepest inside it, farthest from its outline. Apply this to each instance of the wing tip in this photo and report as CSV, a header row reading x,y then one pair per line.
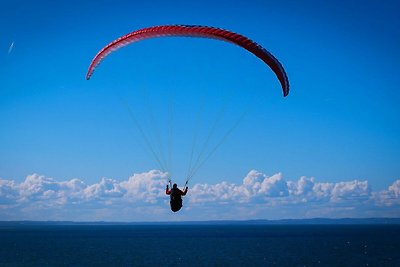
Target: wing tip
x,y
286,93
88,75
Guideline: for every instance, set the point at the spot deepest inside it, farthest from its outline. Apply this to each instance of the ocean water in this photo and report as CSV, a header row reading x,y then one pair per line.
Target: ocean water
x,y
199,245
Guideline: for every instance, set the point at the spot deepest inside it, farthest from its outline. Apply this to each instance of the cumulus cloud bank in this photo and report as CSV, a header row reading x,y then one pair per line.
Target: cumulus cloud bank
x,y
142,198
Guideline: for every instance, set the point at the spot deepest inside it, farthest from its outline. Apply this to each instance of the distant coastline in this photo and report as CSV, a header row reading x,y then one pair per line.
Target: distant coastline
x,y
319,221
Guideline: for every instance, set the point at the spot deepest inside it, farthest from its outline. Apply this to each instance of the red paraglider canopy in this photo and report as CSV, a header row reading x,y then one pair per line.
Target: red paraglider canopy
x,y
195,31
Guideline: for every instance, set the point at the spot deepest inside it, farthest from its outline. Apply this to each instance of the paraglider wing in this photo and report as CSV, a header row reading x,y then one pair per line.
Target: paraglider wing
x,y
195,31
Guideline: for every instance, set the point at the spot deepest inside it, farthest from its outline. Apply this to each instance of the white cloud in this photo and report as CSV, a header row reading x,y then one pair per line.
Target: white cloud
x,y
148,187
350,190
8,191
106,188
394,189
304,186
255,187
389,197
142,197
259,184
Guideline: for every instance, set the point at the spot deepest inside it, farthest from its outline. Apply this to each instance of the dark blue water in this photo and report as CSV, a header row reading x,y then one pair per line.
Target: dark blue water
x,y
200,245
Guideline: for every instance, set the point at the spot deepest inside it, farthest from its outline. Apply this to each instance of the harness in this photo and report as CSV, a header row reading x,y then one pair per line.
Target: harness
x,y
175,200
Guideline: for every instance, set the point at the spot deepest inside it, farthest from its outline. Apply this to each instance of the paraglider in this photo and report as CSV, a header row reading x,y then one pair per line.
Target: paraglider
x,y
175,197
191,31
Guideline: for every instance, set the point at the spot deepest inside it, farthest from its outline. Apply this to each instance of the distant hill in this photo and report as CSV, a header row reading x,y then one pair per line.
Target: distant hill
x,y
320,221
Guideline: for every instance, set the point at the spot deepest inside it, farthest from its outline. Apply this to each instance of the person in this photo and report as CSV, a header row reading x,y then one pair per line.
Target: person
x,y
175,197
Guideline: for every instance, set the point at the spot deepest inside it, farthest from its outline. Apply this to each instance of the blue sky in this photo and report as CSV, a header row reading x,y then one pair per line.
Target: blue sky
x,y
338,128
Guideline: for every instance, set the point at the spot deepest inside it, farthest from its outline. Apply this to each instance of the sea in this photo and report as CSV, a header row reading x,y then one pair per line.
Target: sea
x,y
183,244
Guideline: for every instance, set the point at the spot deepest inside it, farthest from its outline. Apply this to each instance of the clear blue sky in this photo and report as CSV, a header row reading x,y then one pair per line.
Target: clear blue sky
x,y
340,121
